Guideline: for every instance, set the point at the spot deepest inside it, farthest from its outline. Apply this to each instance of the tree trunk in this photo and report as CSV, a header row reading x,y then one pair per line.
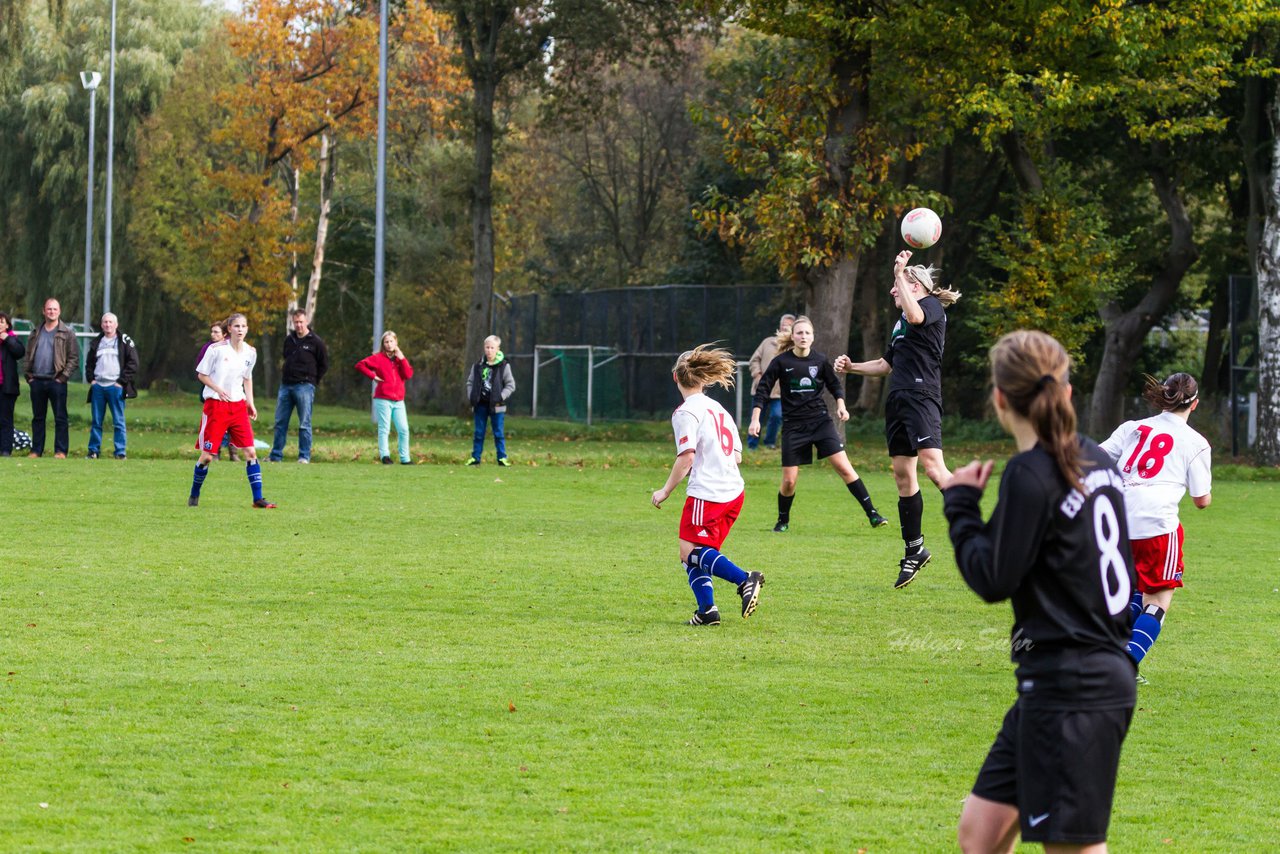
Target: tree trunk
x,y
481,225
1125,330
292,179
829,304
1268,277
327,161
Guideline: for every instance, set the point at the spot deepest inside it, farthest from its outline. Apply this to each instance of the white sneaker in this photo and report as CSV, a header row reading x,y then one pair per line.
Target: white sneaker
x,y
304,462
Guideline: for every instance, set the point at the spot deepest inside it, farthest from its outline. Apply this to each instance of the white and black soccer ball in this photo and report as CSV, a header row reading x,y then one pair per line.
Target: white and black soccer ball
x,y
21,440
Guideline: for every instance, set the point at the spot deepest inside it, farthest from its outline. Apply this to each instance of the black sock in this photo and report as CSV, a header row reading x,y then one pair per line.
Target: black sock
x,y
784,507
910,515
858,490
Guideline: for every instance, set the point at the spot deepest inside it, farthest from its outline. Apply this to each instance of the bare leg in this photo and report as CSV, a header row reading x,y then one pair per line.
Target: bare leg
x,y
987,827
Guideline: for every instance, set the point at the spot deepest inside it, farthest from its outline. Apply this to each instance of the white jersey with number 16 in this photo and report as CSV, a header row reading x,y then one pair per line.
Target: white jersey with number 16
x,y
1160,458
706,428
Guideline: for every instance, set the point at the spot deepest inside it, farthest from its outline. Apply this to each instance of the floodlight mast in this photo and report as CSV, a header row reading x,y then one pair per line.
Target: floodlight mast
x,y
90,81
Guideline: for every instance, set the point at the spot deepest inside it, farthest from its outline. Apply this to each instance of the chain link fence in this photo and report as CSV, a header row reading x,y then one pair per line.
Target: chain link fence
x,y
615,348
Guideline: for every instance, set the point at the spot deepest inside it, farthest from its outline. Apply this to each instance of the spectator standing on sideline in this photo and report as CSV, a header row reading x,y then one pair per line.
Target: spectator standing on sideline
x,y
759,363
52,357
305,361
388,368
11,350
489,384
227,374
110,364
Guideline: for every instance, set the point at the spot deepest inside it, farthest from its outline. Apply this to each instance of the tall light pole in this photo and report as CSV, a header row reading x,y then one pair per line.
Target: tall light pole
x,y
111,148
380,203
90,81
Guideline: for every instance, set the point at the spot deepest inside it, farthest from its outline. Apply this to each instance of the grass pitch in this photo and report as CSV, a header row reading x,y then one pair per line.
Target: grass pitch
x,y
443,658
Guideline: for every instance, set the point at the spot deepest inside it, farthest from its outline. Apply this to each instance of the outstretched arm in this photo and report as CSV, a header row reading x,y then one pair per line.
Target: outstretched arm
x,y
679,471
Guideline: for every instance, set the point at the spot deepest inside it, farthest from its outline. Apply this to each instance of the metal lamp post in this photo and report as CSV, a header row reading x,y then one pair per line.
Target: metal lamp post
x,y
111,147
90,81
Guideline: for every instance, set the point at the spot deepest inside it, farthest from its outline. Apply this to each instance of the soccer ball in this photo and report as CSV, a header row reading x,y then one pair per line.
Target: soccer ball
x,y
921,228
21,440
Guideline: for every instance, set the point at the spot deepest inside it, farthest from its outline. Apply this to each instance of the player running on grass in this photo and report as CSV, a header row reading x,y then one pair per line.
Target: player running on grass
x,y
802,374
1161,458
708,450
226,369
913,410
1057,547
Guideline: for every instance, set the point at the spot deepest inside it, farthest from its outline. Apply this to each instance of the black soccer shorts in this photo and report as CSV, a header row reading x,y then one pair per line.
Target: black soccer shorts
x,y
800,440
1058,767
911,422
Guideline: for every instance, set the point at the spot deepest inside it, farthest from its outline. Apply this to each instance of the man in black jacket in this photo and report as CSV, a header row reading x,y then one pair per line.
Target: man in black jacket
x,y
305,361
110,364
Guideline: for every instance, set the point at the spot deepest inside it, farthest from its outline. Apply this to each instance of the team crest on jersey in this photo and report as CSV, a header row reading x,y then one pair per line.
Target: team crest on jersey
x,y
813,371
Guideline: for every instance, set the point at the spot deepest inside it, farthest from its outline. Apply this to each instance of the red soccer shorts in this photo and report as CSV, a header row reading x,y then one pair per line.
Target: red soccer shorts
x,y
1159,561
707,523
221,417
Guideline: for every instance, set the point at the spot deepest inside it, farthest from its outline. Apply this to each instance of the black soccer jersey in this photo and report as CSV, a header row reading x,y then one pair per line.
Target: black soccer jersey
x,y
1063,559
801,381
915,352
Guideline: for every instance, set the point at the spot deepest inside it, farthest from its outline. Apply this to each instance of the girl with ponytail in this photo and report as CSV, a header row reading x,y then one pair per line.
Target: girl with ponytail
x,y
1161,458
1057,547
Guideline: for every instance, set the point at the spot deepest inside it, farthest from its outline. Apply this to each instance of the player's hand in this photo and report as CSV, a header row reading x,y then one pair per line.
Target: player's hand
x,y
842,413
973,474
754,429
377,379
223,396
900,263
659,496
253,411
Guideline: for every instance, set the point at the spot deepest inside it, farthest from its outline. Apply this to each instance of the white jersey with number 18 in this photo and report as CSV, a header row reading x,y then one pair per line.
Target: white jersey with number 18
x,y
706,428
1160,458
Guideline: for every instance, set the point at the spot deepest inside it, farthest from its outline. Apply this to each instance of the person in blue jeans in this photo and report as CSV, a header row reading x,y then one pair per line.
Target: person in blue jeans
x,y
489,384
110,364
305,360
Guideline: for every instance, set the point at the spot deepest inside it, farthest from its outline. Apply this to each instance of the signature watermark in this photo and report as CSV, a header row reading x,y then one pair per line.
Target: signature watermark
x,y
988,640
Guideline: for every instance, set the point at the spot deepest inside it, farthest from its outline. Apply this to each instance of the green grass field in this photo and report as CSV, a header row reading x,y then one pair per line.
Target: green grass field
x,y
444,658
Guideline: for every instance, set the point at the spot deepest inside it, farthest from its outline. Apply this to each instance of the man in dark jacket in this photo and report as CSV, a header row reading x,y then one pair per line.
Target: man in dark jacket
x,y
305,361
110,366
52,357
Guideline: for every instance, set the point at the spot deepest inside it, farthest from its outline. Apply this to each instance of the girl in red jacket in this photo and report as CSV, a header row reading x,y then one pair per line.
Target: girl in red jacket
x,y
388,368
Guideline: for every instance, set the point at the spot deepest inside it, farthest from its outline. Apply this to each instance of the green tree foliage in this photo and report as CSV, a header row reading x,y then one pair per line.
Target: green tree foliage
x,y
43,154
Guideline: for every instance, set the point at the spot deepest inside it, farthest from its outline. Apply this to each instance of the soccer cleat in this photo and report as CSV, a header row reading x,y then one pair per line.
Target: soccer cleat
x,y
92,455
504,462
264,504
710,617
910,565
472,461
780,527
1140,679
876,520
386,461
193,501
749,590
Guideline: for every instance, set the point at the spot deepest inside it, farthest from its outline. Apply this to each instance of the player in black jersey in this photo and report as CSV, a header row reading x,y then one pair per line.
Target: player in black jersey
x,y
802,374
1056,546
913,410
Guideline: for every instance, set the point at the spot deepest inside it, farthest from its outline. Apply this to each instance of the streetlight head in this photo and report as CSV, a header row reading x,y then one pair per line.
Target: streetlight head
x,y
90,79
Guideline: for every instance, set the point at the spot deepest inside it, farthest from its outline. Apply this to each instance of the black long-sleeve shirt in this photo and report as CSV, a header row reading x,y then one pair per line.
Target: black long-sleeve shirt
x,y
1063,559
305,359
801,381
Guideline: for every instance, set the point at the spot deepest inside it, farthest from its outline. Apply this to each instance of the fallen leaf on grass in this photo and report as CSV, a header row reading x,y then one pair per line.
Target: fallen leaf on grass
x,y
511,707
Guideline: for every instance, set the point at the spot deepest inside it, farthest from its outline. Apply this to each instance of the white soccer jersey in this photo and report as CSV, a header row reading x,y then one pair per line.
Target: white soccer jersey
x,y
227,368
703,426
1160,459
